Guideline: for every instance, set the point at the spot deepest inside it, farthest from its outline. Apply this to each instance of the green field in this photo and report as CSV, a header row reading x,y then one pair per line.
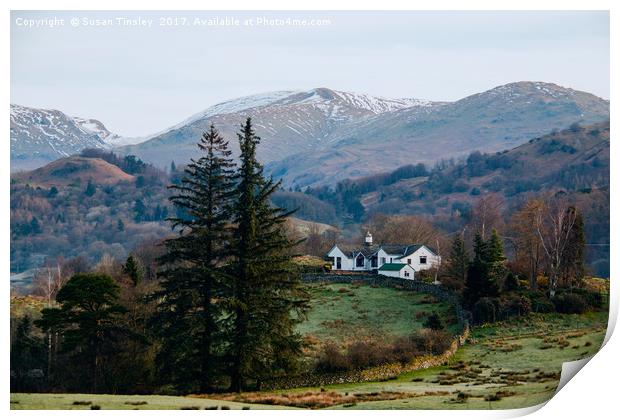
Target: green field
x,y
511,364
522,359
123,402
344,312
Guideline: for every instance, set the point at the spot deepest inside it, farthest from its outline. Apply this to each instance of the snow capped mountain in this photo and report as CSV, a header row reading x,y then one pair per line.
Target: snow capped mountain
x,y
497,119
290,121
39,136
322,135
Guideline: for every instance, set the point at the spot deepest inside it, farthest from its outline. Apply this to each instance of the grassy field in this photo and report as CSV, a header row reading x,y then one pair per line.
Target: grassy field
x,y
123,402
512,364
344,312
507,365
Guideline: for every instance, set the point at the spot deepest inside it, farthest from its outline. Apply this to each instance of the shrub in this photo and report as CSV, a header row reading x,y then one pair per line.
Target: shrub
x,y
516,305
539,301
511,282
363,354
434,322
332,360
486,309
431,341
593,299
404,350
570,303
543,306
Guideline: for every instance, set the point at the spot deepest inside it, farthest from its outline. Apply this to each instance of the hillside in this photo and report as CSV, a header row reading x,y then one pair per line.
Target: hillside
x,y
94,204
573,161
85,206
74,169
54,213
495,120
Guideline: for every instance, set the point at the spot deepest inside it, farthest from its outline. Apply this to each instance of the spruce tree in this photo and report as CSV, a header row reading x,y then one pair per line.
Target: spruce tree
x,y
90,189
482,272
458,261
267,296
189,317
133,270
496,261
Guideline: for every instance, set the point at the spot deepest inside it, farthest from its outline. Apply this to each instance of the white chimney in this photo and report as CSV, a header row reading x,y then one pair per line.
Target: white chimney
x,y
368,240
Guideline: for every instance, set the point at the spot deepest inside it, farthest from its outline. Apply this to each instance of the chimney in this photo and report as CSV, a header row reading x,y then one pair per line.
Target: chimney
x,y
368,240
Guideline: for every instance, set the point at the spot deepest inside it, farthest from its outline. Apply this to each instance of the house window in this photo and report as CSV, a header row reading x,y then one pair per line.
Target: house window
x,y
359,261
382,260
406,273
423,259
408,260
338,263
373,261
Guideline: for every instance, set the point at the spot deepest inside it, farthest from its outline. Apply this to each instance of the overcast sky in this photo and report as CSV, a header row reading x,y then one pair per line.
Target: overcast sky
x,y
140,80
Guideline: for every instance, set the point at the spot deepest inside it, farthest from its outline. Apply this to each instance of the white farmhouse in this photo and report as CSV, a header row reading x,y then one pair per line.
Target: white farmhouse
x,y
369,257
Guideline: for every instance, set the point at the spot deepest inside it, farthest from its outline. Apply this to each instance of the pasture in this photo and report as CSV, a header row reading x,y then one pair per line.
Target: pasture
x,y
511,364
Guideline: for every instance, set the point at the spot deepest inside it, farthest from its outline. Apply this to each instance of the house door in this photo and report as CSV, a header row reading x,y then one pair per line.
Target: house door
x,y
338,263
359,261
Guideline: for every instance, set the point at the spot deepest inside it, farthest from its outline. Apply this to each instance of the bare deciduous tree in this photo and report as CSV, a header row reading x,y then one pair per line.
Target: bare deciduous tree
x,y
487,215
554,222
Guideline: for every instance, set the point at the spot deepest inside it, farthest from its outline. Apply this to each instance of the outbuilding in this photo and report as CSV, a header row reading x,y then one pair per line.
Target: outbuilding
x,y
400,270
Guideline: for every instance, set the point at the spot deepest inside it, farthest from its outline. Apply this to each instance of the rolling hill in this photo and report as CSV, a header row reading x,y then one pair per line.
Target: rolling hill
x,y
66,171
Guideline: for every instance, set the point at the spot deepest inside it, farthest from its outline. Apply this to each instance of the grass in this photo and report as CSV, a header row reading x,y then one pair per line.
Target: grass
x,y
123,402
502,366
512,364
344,313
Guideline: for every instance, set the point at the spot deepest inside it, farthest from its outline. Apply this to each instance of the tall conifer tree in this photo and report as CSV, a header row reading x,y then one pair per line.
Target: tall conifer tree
x,y
484,270
458,261
189,314
267,296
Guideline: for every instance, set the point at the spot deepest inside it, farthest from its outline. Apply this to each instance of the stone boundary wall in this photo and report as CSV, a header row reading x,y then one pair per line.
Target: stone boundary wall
x,y
387,371
373,374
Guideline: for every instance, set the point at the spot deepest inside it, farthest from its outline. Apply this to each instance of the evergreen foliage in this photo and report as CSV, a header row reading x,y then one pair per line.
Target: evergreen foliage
x,y
133,269
266,289
458,261
189,318
88,320
486,271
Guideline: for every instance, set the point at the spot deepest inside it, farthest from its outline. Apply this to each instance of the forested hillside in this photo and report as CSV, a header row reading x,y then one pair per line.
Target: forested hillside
x,y
100,203
573,162
86,205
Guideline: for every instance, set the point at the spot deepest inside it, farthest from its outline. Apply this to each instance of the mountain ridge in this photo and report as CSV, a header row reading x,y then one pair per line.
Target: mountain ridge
x,y
321,135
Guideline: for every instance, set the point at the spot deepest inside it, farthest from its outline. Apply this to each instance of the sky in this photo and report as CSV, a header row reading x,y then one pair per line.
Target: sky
x,y
139,78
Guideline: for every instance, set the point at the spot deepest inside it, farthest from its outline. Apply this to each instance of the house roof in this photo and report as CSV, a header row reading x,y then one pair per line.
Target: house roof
x,y
392,267
392,249
367,251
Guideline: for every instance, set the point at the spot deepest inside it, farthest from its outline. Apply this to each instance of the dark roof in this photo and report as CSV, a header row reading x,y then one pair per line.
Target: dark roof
x,y
403,250
392,249
392,267
367,251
